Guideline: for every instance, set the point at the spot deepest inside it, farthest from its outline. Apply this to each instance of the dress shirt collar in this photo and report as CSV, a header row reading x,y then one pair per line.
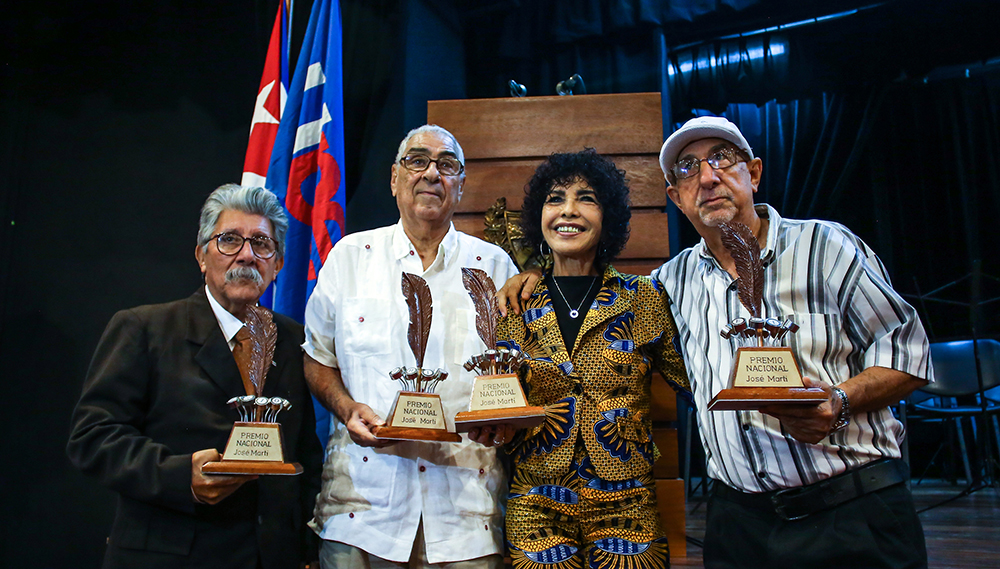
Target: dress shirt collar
x,y
402,247
230,324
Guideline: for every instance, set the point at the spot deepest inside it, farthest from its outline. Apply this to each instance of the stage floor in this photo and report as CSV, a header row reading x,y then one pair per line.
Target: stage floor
x,y
964,533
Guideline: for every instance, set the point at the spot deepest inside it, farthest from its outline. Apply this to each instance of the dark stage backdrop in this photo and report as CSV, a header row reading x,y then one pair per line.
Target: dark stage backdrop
x,y
119,117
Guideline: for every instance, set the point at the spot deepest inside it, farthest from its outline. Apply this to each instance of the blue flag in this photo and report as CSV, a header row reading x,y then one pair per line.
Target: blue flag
x,y
306,169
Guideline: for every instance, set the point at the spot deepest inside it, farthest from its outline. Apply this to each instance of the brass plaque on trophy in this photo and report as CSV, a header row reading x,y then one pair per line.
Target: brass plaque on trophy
x,y
255,444
497,397
762,374
417,413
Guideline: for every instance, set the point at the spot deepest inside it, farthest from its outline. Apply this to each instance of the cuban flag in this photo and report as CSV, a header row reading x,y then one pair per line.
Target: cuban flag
x,y
306,168
270,103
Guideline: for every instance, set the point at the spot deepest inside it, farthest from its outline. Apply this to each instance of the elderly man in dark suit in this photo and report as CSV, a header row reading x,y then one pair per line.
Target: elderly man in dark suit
x,y
153,411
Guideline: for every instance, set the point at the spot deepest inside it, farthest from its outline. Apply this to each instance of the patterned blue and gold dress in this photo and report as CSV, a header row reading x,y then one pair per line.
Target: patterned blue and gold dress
x,y
583,489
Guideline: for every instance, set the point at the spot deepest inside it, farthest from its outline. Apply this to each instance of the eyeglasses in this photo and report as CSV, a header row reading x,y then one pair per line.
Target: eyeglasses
x,y
446,165
721,159
230,244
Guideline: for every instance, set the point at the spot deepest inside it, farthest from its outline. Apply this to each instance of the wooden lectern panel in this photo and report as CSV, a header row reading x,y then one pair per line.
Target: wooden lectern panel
x,y
628,123
668,466
664,404
487,180
670,500
648,236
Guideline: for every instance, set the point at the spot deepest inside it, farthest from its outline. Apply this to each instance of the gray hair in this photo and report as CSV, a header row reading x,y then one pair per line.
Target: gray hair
x,y
431,128
255,201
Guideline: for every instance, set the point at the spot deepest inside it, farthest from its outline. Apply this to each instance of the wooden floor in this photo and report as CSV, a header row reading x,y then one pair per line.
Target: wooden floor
x,y
964,533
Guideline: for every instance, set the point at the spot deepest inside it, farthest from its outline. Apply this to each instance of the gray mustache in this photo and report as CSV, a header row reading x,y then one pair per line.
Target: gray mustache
x,y
244,273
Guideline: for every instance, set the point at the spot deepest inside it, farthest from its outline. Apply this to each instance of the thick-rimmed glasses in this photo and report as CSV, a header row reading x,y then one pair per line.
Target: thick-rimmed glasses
x,y
719,159
230,244
446,165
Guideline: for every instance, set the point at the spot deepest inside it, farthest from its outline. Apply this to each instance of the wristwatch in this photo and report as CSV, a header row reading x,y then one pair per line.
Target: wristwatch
x,y
844,418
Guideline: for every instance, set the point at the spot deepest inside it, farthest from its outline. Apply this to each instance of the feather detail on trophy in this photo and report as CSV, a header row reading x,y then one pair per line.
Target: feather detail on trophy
x,y
263,337
255,445
761,375
484,298
497,397
742,245
417,413
418,300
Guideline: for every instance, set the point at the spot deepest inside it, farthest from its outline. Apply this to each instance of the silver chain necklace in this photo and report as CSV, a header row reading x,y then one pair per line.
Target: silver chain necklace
x,y
573,313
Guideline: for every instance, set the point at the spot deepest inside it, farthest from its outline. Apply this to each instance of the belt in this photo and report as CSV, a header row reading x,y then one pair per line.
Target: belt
x,y
797,503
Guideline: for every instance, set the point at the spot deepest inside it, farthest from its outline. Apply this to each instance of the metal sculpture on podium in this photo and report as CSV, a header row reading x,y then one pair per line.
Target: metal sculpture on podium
x,y
255,444
497,397
417,413
762,374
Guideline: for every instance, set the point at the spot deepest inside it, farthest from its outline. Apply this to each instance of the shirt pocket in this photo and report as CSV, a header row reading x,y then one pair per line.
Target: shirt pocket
x,y
820,346
365,326
463,338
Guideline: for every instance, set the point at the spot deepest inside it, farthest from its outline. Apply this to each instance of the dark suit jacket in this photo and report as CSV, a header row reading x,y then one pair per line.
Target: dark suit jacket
x,y
155,393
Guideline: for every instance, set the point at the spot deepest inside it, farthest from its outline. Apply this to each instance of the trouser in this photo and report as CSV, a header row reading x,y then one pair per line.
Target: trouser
x,y
875,530
579,520
337,555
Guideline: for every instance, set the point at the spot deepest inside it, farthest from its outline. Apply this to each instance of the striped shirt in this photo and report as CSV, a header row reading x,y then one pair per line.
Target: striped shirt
x,y
831,284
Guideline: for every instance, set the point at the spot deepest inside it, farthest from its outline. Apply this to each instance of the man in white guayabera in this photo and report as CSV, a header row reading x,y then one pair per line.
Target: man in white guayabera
x,y
412,502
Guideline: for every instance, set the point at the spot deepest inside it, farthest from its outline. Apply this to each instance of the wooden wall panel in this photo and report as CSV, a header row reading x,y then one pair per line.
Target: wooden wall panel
x,y
666,440
670,500
664,403
487,180
626,123
638,266
649,239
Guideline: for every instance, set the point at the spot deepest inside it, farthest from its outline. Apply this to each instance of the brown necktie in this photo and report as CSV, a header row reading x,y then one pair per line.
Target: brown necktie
x,y
241,353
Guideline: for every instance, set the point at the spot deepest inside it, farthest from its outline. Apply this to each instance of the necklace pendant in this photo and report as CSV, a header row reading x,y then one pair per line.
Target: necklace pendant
x,y
574,313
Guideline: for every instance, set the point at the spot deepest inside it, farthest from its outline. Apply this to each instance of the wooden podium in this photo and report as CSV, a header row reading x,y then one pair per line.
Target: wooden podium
x,y
506,139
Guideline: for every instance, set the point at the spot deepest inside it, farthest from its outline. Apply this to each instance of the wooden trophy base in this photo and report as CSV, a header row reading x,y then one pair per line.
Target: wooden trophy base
x,y
252,467
519,418
747,398
765,376
254,448
498,399
416,416
386,432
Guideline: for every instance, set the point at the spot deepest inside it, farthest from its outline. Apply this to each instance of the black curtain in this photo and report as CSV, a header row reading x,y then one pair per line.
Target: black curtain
x,y
910,168
852,117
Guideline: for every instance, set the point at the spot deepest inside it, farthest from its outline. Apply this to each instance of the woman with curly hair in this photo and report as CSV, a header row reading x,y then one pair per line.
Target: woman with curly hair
x,y
583,490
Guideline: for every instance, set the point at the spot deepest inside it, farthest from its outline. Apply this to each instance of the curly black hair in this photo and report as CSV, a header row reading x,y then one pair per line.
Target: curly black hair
x,y
607,181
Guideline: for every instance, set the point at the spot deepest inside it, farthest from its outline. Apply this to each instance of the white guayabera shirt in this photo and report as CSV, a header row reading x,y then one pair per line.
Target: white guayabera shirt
x,y
356,320
831,284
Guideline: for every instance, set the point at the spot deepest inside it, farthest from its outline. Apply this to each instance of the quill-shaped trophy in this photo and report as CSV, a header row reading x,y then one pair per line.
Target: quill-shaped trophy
x,y
255,445
417,413
762,374
497,396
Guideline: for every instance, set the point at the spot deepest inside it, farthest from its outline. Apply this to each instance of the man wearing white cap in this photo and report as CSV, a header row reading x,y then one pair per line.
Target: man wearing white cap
x,y
803,486
799,486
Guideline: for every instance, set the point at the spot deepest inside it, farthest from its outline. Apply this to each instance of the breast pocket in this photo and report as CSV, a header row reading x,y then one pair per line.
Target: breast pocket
x,y
364,328
463,340
820,346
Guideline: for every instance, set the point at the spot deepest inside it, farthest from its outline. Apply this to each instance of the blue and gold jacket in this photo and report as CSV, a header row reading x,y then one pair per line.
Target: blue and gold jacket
x,y
600,390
